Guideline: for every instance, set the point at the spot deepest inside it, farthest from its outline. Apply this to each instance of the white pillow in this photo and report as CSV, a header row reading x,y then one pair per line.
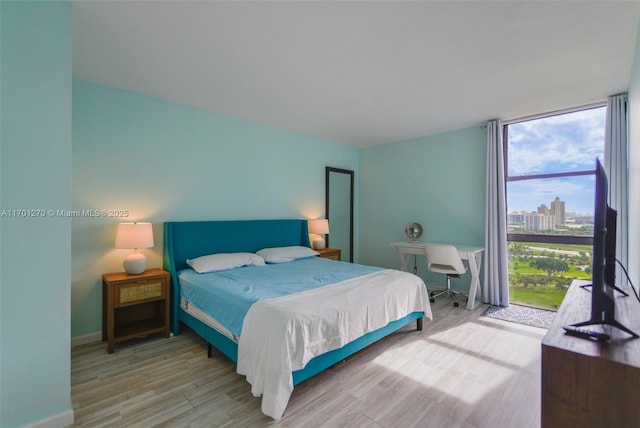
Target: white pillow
x,y
222,261
286,254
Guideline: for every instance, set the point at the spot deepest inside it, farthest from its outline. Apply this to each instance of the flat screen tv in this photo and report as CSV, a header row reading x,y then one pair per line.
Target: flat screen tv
x,y
602,287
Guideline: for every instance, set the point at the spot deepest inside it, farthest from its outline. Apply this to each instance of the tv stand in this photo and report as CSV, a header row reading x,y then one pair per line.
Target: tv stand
x,y
610,321
591,383
615,287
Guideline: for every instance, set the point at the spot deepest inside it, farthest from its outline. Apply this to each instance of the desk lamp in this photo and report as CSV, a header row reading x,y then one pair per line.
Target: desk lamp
x,y
134,236
319,227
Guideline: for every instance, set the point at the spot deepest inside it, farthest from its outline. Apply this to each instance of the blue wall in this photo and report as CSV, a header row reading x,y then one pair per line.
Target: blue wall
x,y
165,161
35,173
634,167
437,181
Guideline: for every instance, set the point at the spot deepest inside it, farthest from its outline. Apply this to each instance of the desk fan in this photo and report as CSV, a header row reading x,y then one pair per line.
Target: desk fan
x,y
413,231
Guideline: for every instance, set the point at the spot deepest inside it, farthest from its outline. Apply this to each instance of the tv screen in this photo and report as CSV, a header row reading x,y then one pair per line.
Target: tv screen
x,y
604,260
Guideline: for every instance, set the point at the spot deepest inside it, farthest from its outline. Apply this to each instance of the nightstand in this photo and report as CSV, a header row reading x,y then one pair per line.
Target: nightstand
x,y
134,305
331,253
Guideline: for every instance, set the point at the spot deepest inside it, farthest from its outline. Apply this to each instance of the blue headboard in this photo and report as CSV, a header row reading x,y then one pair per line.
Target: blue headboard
x,y
189,239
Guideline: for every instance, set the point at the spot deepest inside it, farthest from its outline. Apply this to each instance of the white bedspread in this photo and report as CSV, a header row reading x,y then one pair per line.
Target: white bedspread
x,y
279,336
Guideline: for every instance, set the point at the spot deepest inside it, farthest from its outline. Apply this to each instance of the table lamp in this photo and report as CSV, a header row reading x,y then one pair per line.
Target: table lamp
x,y
134,236
319,227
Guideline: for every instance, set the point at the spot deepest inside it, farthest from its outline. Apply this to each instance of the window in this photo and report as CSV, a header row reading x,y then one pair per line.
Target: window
x,y
550,198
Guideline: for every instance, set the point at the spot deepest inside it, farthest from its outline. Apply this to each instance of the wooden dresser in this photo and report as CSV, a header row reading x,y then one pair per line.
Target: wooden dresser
x,y
586,383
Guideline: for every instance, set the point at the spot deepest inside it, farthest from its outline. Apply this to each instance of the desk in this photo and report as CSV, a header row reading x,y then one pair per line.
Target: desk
x,y
473,256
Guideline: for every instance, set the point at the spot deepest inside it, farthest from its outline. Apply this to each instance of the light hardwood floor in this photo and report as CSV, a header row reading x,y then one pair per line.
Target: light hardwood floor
x,y
463,370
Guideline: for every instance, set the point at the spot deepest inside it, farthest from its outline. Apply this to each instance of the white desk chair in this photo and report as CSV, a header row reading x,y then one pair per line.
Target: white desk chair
x,y
445,259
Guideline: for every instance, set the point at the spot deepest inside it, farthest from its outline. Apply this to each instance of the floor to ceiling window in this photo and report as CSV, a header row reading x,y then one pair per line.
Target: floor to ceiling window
x,y
550,199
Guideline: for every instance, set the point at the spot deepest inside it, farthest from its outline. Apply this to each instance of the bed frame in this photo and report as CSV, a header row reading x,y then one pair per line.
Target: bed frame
x,y
190,239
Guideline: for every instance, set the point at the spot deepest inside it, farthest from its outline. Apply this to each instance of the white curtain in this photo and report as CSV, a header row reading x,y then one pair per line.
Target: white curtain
x,y
496,275
615,162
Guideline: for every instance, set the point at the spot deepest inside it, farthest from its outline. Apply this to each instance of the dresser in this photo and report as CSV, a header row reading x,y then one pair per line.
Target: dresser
x,y
586,383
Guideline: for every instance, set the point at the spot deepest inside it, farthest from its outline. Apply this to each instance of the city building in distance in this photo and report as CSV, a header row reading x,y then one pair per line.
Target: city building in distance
x,y
552,219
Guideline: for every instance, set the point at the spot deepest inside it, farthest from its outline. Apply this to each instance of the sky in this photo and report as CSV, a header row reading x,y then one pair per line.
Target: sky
x,y
568,142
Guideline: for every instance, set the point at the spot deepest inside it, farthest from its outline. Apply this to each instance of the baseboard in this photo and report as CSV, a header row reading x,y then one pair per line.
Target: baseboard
x,y
87,338
61,420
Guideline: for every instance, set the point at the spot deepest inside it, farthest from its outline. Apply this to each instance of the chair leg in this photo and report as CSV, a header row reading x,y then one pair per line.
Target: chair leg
x,y
451,292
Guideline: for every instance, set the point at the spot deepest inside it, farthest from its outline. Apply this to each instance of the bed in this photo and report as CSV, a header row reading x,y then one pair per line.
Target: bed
x,y
283,337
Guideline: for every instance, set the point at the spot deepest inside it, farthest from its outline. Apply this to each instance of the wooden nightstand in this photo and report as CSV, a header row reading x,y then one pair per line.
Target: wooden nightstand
x,y
134,305
331,253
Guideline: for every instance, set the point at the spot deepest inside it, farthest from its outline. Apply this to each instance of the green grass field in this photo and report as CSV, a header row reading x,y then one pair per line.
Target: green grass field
x,y
544,297
544,294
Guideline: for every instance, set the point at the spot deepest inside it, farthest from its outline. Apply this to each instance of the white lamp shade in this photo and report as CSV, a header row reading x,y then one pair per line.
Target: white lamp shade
x,y
134,235
319,226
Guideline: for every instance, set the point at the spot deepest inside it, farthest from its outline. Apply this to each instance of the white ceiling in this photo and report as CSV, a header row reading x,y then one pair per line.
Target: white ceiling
x,y
360,73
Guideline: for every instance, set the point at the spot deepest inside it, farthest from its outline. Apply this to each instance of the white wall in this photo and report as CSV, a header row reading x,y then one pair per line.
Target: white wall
x,y
36,251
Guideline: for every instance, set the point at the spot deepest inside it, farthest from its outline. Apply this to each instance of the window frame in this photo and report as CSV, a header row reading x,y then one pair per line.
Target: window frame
x,y
543,238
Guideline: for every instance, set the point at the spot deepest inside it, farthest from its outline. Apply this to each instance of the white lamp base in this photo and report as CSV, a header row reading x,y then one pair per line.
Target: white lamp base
x,y
135,263
318,243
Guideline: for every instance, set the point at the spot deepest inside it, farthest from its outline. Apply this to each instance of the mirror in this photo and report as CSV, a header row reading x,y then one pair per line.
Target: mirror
x,y
339,210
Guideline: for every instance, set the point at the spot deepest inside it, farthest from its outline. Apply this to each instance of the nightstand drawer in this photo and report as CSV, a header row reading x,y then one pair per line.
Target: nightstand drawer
x,y
143,291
